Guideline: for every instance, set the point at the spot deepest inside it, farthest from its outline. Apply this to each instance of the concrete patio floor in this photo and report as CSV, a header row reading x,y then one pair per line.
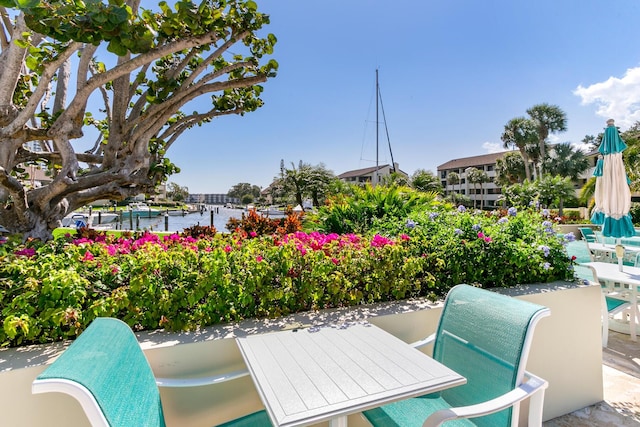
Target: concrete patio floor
x,y
621,404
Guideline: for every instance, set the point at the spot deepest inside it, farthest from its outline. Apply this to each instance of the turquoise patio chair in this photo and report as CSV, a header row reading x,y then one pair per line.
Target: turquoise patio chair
x,y
485,337
107,372
588,234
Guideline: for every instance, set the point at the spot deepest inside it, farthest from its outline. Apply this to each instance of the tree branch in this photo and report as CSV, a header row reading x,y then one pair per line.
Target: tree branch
x,y
94,82
44,80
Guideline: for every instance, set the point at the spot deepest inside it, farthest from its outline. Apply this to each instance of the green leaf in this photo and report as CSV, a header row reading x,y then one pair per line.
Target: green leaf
x,y
115,46
25,4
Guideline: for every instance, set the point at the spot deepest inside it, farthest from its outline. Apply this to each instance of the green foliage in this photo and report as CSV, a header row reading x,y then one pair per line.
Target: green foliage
x,y
635,213
368,207
52,291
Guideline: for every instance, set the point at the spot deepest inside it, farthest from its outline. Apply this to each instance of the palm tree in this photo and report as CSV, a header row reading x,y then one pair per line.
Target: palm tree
x,y
520,133
477,177
510,169
426,181
548,119
453,178
566,162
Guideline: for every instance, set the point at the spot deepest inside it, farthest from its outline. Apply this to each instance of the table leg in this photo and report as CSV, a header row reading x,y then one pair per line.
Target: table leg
x,y
635,317
338,422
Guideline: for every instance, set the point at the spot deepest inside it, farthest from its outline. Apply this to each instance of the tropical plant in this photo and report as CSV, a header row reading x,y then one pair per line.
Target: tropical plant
x,y
368,207
477,177
520,195
60,59
552,189
52,291
453,178
510,169
520,133
295,184
548,119
565,161
425,180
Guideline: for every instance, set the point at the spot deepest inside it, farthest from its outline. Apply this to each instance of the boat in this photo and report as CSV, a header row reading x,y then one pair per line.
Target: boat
x,y
94,219
272,211
140,209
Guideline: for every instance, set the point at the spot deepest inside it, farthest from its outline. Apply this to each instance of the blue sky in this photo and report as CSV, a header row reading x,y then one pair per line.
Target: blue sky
x,y
452,74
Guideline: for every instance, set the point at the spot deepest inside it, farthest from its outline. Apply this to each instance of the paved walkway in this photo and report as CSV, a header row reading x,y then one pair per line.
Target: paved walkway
x,y
621,405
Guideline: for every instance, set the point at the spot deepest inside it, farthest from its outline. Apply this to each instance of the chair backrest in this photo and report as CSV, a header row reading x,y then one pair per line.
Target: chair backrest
x,y
485,337
107,361
588,234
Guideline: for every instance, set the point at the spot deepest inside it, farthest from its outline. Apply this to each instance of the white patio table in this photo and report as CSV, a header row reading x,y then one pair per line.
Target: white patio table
x,y
630,252
307,376
629,277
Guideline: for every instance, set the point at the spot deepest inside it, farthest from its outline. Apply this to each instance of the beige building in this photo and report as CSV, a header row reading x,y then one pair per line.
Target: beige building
x,y
372,175
490,192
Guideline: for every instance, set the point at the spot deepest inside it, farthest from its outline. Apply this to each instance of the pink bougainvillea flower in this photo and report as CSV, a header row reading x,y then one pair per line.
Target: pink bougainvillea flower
x,y
380,241
28,252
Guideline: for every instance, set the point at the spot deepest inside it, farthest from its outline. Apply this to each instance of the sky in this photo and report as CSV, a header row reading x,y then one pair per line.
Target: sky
x,y
451,75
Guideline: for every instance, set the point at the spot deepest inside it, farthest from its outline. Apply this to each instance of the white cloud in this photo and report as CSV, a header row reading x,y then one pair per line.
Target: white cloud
x,y
616,98
492,147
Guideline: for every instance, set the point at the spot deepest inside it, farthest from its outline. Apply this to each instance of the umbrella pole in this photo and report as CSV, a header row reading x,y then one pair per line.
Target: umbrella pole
x,y
619,253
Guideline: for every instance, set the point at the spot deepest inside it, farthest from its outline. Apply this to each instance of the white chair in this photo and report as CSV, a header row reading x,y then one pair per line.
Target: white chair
x,y
485,337
615,299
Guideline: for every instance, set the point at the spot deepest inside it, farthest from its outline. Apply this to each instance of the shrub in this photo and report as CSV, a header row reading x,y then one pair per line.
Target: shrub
x,y
52,291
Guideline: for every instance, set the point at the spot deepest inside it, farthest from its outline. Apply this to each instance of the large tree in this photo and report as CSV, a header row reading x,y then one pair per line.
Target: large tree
x,y
243,189
548,119
510,169
305,181
520,133
60,58
565,161
477,177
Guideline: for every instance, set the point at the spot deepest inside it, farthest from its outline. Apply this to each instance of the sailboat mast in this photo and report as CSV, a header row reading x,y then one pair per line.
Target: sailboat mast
x,y
377,125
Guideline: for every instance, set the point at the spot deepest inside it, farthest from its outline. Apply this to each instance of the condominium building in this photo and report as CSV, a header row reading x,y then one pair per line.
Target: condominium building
x,y
488,193
212,199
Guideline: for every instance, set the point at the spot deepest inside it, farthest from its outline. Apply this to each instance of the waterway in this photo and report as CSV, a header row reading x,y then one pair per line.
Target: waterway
x,y
217,216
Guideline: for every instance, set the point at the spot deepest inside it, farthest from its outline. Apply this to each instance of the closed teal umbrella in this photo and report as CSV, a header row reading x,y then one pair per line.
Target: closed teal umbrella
x,y
613,197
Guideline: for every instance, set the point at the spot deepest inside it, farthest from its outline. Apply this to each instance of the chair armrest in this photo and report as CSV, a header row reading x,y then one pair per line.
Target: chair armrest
x,y
200,381
426,341
528,389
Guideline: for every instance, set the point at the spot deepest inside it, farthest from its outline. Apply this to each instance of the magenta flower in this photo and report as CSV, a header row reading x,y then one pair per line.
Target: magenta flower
x,y
259,258
405,237
334,260
227,249
253,234
88,256
380,241
28,252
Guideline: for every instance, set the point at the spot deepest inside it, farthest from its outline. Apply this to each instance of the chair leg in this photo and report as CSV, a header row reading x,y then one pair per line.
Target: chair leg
x,y
536,404
605,321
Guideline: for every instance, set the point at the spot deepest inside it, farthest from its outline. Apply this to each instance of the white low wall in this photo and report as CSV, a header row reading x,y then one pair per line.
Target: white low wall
x,y
566,352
